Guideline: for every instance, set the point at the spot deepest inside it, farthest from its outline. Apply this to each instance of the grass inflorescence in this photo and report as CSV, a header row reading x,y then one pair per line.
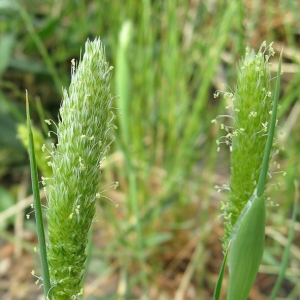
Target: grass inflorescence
x,y
251,108
177,53
82,133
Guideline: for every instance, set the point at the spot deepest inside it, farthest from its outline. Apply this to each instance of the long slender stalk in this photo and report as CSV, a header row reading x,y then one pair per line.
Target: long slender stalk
x,y
123,90
38,209
270,140
41,47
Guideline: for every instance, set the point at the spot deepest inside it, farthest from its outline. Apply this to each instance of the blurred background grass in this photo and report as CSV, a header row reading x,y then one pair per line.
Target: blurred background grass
x,y
163,241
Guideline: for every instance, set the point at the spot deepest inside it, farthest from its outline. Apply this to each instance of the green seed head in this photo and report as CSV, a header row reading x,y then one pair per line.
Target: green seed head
x,y
84,125
252,105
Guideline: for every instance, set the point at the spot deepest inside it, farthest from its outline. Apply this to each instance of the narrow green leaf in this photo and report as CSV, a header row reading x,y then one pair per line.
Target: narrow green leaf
x,y
38,208
247,248
123,79
218,287
265,164
6,46
157,239
40,46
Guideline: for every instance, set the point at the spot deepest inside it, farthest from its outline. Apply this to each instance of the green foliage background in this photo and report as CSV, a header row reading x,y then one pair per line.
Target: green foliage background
x,y
169,58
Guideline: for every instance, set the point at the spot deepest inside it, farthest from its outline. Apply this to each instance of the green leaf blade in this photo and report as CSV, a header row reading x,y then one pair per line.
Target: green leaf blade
x,y
265,163
38,208
247,248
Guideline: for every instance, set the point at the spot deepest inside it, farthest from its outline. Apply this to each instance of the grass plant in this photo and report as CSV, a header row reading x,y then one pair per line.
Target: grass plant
x,y
251,140
164,239
72,190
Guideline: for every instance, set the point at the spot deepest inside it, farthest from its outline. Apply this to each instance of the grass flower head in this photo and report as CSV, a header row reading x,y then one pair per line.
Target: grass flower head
x,y
82,132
